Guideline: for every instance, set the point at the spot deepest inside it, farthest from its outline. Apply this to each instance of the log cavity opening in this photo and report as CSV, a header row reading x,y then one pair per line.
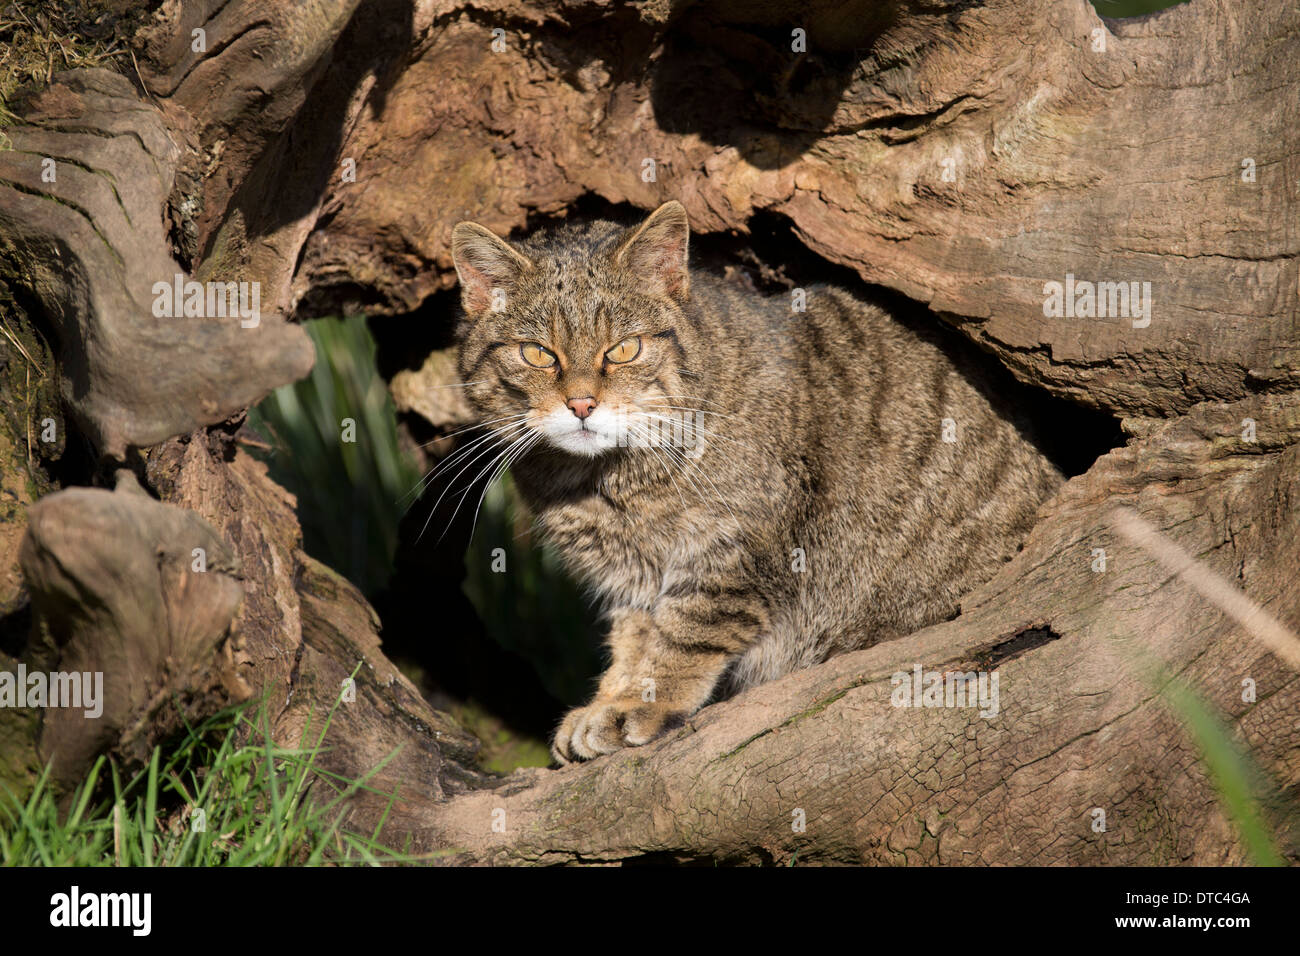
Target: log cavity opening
x,y
772,259
1013,645
56,454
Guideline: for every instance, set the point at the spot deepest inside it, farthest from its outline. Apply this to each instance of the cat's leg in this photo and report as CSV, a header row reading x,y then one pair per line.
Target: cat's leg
x,y
665,665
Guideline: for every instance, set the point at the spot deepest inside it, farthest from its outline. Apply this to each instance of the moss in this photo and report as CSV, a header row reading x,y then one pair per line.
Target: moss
x,y
816,708
503,749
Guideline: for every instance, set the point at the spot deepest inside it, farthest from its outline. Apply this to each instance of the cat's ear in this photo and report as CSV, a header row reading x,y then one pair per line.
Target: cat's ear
x,y
656,251
487,265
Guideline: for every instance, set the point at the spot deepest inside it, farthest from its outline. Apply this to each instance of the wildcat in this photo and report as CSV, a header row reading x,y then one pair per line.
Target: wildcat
x,y
748,488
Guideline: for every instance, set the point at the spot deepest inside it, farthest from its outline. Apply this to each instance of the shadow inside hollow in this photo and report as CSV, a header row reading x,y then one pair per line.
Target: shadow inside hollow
x,y
288,180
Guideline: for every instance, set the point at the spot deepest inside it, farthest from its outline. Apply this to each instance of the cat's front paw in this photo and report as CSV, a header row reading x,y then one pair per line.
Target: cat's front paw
x,y
605,726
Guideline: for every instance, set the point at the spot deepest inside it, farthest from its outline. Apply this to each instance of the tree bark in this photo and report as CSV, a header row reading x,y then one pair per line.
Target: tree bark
x,y
961,155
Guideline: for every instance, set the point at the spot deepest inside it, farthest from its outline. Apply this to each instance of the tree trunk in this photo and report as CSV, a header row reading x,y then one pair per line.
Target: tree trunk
x,y
963,156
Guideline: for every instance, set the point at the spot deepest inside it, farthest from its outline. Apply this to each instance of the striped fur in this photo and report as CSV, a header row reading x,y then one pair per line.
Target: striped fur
x,y
824,512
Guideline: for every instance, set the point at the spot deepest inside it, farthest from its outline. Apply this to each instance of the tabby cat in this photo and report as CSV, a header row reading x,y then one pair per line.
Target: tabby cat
x,y
748,487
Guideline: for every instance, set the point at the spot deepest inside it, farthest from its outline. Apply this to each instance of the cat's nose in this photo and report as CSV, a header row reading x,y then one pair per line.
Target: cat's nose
x,y
582,406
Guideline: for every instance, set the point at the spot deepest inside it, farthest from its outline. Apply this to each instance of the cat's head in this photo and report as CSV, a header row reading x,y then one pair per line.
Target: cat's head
x,y
585,340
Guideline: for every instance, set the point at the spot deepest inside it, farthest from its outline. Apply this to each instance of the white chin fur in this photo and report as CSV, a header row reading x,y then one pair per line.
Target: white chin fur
x,y
565,431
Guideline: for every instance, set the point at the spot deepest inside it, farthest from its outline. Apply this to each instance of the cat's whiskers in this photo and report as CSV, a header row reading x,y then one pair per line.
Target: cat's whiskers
x,y
455,455
500,434
500,472
451,483
672,464
496,466
470,428
481,446
686,468
700,428
451,460
646,436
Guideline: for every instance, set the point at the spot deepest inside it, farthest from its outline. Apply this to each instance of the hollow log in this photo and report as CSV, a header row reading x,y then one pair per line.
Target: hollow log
x,y
963,156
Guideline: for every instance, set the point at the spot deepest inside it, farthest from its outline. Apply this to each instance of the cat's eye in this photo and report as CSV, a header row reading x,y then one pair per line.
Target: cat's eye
x,y
625,351
536,356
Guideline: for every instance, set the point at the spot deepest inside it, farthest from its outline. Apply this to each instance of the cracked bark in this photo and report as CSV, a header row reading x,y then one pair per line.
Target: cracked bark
x,y
1117,165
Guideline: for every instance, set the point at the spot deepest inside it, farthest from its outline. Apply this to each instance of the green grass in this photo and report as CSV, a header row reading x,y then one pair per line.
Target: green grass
x,y
262,805
348,491
1239,784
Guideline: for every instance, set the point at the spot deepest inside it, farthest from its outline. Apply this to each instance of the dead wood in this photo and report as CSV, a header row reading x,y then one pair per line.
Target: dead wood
x,y
962,155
